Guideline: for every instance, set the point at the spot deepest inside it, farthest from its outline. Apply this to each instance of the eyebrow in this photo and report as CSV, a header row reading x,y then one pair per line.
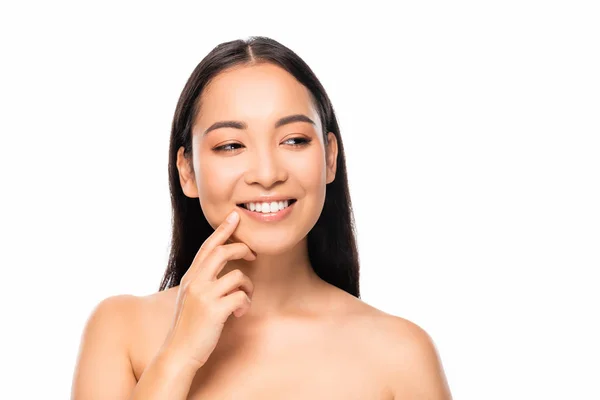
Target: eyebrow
x,y
242,125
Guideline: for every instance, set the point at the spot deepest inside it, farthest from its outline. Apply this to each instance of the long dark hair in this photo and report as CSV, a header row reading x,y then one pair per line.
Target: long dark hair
x,y
332,247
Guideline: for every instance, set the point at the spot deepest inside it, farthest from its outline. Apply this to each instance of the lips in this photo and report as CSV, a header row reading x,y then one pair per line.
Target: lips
x,y
268,216
259,204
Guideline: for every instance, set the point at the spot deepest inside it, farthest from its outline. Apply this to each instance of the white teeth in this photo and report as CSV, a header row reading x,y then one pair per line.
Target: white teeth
x,y
265,208
274,206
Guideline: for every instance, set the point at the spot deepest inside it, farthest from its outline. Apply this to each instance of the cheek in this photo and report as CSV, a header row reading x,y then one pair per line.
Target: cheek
x,y
215,188
310,172
310,175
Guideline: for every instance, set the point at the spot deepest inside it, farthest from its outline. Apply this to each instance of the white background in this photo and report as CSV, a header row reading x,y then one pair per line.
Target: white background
x,y
472,142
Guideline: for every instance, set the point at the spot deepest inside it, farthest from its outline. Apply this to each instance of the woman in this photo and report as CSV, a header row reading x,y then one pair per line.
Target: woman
x,y
263,230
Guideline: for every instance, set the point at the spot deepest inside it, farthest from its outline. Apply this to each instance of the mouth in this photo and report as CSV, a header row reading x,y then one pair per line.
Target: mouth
x,y
267,207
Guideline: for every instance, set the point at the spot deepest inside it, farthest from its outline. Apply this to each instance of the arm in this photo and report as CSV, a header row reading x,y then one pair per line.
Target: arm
x,y
164,378
103,369
417,369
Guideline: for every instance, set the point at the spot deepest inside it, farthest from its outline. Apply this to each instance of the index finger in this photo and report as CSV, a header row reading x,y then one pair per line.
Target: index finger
x,y
218,237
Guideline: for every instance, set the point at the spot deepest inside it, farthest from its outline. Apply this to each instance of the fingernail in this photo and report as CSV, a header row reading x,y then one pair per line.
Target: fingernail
x,y
232,217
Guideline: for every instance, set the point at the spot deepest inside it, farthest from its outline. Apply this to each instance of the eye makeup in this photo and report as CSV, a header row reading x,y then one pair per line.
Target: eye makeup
x,y
227,148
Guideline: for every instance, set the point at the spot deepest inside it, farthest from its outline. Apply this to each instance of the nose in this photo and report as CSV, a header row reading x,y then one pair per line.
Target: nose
x,y
266,168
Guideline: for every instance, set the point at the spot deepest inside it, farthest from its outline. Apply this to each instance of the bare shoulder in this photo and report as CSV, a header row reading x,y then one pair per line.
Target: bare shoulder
x,y
112,314
116,307
412,362
123,313
404,353
103,368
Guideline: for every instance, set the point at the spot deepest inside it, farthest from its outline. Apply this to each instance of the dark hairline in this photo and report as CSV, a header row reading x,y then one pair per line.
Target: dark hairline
x,y
196,107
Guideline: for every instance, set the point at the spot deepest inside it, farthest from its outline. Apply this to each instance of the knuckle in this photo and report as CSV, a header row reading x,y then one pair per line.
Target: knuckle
x,y
197,291
220,251
189,288
237,274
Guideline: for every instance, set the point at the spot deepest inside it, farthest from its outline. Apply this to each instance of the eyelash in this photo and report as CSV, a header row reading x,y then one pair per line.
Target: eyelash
x,y
304,142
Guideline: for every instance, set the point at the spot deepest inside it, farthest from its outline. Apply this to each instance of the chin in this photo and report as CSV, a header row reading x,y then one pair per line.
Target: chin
x,y
268,243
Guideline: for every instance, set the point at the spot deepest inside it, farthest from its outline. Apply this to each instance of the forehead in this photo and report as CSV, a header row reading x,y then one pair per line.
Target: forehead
x,y
257,94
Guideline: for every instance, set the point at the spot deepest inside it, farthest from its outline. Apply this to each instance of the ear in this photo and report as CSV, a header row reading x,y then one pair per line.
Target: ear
x,y
187,177
332,153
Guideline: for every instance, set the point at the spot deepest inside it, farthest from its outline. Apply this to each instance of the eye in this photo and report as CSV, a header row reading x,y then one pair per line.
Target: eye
x,y
300,141
229,147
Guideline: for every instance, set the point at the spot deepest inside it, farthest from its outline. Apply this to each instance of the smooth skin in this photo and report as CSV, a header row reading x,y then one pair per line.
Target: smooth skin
x,y
299,337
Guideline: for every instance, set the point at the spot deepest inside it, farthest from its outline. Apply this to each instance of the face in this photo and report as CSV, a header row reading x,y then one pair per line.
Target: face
x,y
259,157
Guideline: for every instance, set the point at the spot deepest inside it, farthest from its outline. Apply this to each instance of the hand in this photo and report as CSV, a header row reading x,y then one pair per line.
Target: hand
x,y
204,302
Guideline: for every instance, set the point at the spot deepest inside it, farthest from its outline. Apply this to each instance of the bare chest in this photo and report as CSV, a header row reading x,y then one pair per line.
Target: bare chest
x,y
314,371
286,362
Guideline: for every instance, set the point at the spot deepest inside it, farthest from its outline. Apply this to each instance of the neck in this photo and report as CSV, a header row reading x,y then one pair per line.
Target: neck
x,y
281,282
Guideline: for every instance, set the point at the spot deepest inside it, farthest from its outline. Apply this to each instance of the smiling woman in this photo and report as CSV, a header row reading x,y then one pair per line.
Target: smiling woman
x,y
262,229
